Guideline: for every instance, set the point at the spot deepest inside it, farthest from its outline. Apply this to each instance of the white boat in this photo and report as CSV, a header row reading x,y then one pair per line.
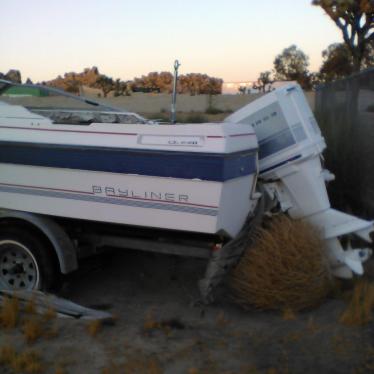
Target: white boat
x,y
66,156
87,161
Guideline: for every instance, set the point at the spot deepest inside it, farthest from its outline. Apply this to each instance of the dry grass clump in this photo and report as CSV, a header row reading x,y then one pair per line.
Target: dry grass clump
x,y
193,371
28,362
139,365
49,314
285,269
94,327
361,307
136,363
166,326
288,314
7,355
222,320
60,370
9,312
33,326
32,329
30,307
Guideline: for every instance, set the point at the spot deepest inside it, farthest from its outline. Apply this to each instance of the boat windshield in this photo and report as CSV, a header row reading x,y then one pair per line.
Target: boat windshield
x,y
63,107
40,96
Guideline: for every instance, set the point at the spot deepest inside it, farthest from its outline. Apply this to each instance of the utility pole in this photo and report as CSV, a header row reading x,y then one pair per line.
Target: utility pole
x,y
174,98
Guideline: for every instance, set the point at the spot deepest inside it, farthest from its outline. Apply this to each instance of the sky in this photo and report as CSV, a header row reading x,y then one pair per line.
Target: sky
x,y
231,39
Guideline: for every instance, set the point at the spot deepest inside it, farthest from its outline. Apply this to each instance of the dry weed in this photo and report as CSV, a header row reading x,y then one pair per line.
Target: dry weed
x,y
166,326
311,326
32,329
7,355
286,268
360,309
138,363
250,369
9,313
369,360
51,332
150,322
50,314
342,345
368,365
193,371
293,337
30,307
94,327
222,320
288,314
60,370
272,371
28,362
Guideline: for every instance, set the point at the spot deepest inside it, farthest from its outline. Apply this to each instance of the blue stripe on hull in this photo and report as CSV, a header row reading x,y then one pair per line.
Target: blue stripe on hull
x,y
280,164
111,200
187,165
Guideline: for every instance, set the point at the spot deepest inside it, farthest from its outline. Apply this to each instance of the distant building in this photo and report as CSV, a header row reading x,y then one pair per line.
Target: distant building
x,y
232,88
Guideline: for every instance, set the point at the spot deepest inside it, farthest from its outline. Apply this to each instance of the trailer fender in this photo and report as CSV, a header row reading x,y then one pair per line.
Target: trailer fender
x,y
62,244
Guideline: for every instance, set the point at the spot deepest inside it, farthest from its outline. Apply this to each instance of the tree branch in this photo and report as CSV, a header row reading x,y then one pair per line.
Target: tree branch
x,y
344,28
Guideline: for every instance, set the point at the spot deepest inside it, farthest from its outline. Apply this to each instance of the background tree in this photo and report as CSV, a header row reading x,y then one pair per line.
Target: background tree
x,y
105,83
197,84
338,62
264,81
73,87
242,90
120,88
193,83
90,77
292,65
153,82
355,19
12,76
368,60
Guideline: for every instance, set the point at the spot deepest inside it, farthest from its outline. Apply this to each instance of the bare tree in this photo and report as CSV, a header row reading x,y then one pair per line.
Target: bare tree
x,y
242,90
105,83
265,81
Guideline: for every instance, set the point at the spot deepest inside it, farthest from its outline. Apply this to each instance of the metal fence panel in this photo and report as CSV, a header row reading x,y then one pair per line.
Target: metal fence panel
x,y
345,112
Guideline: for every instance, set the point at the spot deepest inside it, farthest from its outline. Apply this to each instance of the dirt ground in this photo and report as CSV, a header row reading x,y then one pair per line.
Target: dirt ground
x,y
160,328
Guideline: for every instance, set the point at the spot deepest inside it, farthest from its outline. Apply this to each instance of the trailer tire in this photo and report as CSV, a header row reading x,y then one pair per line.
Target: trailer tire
x,y
26,261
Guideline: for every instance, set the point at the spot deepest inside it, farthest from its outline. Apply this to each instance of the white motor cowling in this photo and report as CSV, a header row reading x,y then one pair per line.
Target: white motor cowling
x,y
290,151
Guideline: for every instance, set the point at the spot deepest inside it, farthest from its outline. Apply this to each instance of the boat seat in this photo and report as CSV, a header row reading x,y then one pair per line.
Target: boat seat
x,y
84,117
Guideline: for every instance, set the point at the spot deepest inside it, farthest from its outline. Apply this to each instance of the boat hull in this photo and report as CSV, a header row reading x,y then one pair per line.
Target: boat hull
x,y
171,203
196,178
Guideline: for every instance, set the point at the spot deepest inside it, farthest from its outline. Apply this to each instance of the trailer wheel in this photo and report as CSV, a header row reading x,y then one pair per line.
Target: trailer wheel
x,y
26,262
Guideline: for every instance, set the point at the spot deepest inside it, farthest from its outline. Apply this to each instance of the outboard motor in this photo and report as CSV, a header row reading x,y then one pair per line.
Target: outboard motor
x,y
290,152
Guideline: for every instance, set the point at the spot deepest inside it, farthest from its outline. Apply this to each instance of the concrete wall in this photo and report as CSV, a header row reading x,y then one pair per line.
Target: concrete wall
x,y
155,103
